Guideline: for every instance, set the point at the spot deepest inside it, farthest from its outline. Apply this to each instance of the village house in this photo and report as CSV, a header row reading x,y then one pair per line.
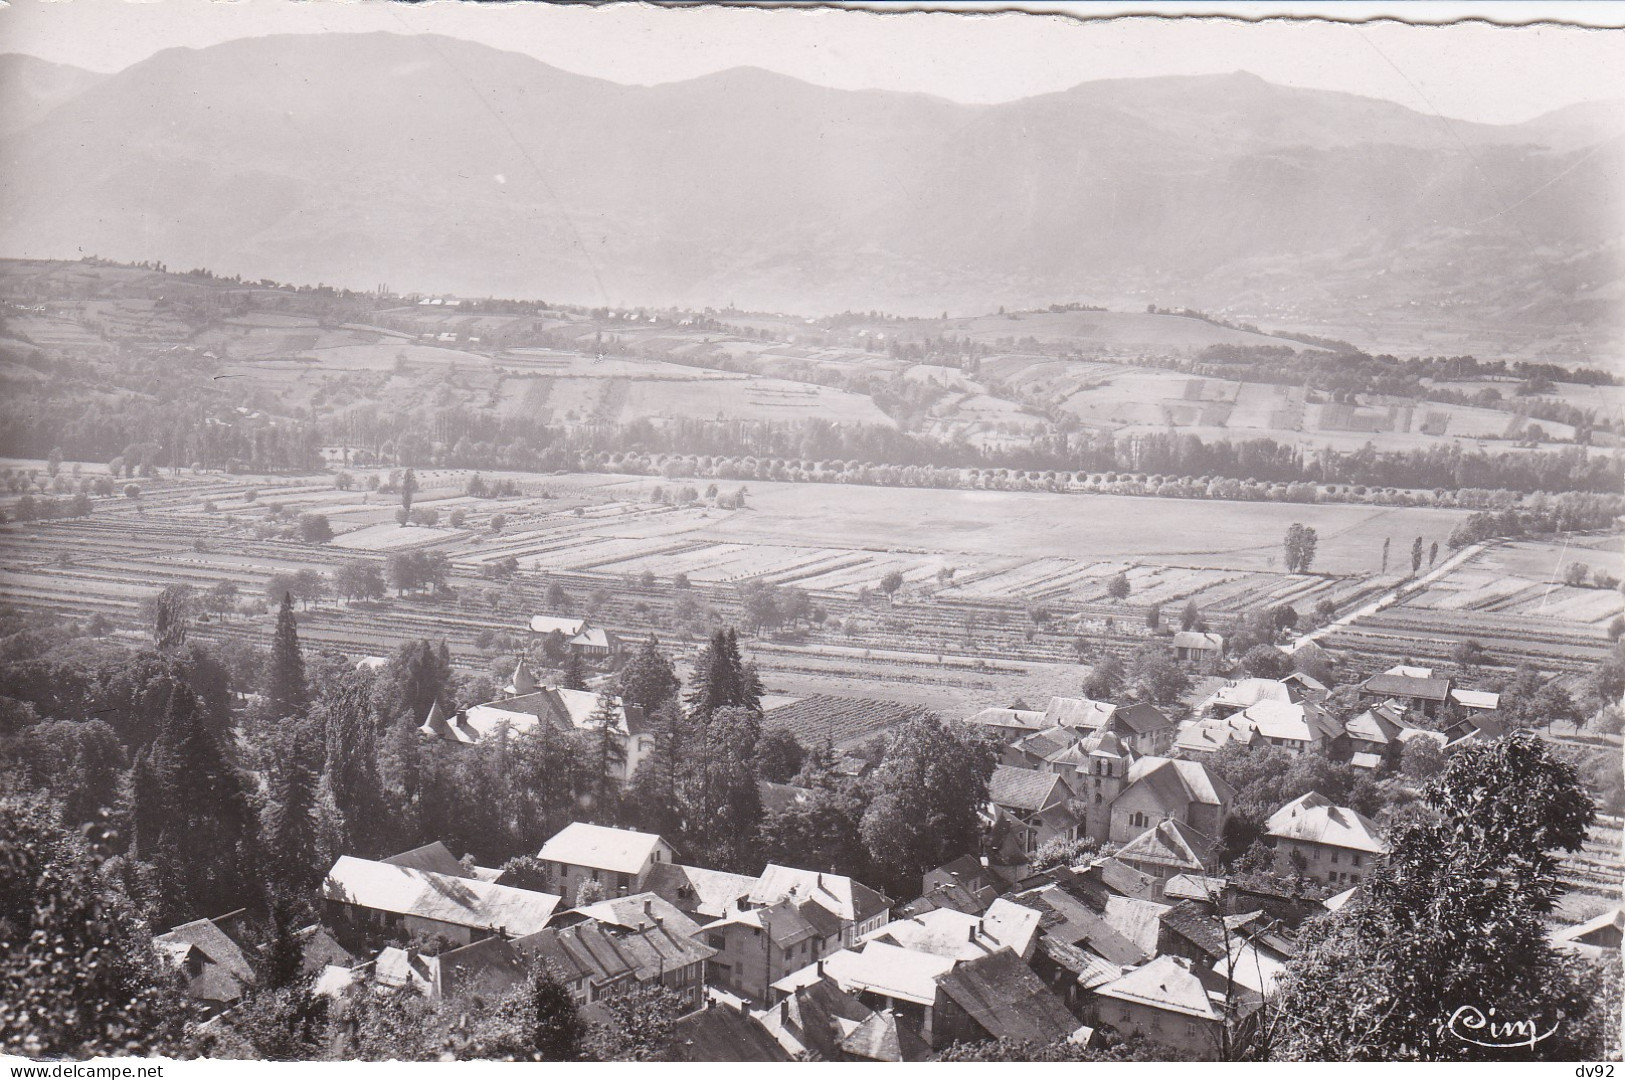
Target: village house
x,y
882,977
1078,712
966,872
700,893
1414,687
1008,725
825,1023
1174,1002
858,908
1328,843
618,859
564,709
209,955
490,966
1143,728
363,899
1234,697
1209,736
1168,849
1198,647
1374,736
1170,789
996,996
1033,805
757,946
1299,727
579,636
599,950
722,1034
962,936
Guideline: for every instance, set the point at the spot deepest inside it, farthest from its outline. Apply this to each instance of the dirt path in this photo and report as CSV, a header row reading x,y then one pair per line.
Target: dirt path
x,y
1393,596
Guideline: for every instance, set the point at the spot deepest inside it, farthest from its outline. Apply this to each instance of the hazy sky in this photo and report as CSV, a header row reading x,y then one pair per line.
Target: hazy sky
x,y
1472,70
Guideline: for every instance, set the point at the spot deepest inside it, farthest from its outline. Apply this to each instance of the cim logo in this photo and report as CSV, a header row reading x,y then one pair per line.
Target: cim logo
x,y
1470,1024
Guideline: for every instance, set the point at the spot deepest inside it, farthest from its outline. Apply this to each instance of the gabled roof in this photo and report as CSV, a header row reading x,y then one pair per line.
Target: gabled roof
x,y
697,889
620,851
1177,782
434,857
1406,686
226,972
523,681
438,897
879,968
1312,818
1195,887
639,912
1141,718
1172,984
546,624
489,966
1007,1000
724,1034
1190,922
593,637
1041,744
959,936
603,954
1170,843
565,709
1604,931
1378,724
1020,719
1068,920
881,1037
815,1018
1208,736
1333,903
1248,692
1078,712
1476,699
1303,721
1027,790
850,901
1196,639
1122,879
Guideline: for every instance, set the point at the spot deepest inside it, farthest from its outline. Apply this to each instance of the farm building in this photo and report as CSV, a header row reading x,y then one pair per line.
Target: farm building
x,y
1329,843
618,859
579,636
1195,647
567,710
1414,687
362,897
1008,725
1234,697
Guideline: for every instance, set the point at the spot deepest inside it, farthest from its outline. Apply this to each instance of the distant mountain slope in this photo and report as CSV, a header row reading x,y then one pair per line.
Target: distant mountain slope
x,y
439,164
31,87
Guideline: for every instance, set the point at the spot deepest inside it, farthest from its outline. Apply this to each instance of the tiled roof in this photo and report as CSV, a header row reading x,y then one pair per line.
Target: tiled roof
x,y
1024,789
851,901
879,968
1007,1000
1195,639
435,858
881,1037
724,1034
1208,736
1024,719
777,798
1078,712
1170,843
620,851
1303,721
698,890
546,624
960,936
1249,692
1041,744
638,912
1191,923
1405,686
438,897
1172,984
226,972
1142,717
1177,782
1313,819
1194,887
815,1018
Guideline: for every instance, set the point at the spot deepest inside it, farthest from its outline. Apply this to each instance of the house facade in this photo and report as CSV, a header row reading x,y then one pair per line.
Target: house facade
x,y
618,859
1331,844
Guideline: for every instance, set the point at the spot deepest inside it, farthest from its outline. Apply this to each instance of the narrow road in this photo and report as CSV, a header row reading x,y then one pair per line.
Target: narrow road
x,y
1389,599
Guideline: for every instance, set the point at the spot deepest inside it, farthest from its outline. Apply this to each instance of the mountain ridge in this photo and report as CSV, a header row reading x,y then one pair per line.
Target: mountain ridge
x,y
463,168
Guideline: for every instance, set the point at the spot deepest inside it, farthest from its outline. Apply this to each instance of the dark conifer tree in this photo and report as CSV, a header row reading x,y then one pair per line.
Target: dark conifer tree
x,y
574,677
286,693
288,818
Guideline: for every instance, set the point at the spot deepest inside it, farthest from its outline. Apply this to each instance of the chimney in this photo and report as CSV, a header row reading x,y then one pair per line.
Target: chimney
x,y
820,969
648,904
710,1003
971,932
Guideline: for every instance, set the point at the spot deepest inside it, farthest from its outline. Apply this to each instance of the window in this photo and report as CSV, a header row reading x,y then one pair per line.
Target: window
x,y
717,941
1356,858
788,953
1334,856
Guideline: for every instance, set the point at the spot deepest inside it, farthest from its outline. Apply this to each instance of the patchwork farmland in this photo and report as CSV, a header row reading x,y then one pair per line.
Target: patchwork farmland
x,y
1013,575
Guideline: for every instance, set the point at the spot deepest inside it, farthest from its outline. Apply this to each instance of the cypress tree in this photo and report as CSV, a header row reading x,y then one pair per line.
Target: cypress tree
x,y
286,693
